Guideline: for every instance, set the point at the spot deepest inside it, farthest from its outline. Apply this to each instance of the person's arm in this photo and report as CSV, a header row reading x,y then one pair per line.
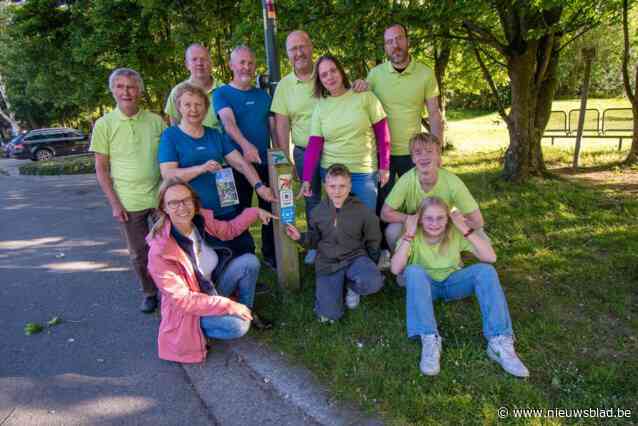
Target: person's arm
x,y
274,137
227,117
238,163
282,128
311,159
434,115
227,230
402,253
481,246
172,170
372,236
103,175
382,136
390,215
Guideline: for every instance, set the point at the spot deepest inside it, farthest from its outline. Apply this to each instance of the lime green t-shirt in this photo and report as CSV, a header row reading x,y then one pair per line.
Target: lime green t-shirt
x,y
294,98
403,96
131,144
211,119
407,194
439,264
345,122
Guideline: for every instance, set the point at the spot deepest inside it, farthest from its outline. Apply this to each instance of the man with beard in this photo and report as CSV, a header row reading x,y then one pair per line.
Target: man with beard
x,y
427,179
244,111
403,86
198,63
293,105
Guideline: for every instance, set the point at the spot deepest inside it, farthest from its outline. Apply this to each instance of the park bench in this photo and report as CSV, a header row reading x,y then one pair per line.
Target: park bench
x,y
616,123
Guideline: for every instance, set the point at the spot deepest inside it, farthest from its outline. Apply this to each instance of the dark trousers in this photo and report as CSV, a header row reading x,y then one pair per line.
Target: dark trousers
x,y
135,231
362,276
399,164
245,192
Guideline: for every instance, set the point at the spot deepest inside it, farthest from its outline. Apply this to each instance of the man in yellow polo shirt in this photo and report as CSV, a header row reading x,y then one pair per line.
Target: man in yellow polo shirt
x,y
198,63
293,105
125,143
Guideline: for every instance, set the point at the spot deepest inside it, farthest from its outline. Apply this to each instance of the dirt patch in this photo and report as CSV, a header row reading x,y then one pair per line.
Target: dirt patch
x,y
615,178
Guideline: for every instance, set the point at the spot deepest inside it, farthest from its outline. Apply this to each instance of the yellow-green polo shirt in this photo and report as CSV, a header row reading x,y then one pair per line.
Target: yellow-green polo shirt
x,y
131,144
407,194
345,122
438,264
294,98
403,97
211,118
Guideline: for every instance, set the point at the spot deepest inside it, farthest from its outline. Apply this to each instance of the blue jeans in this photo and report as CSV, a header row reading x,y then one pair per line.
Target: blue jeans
x,y
315,184
224,327
364,186
240,273
480,279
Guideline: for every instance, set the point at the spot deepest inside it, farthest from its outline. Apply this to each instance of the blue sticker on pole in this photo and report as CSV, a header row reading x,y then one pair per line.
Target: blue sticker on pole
x,y
286,200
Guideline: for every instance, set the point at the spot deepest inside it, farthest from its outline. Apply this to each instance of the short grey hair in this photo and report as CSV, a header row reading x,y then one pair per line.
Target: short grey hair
x,y
239,49
192,46
126,72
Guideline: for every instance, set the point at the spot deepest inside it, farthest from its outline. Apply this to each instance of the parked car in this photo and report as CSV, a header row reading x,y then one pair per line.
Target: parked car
x,y
44,144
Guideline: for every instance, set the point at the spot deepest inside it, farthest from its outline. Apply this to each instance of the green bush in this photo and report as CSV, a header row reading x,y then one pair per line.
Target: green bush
x,y
64,166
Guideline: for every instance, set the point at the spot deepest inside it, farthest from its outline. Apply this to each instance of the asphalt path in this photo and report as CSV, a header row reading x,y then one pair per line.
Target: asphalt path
x,y
61,255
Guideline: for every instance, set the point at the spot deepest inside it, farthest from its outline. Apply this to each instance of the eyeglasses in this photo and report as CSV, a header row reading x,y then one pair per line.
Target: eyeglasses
x,y
174,204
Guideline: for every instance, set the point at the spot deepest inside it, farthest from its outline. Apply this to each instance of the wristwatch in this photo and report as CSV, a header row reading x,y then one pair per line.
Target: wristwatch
x,y
258,185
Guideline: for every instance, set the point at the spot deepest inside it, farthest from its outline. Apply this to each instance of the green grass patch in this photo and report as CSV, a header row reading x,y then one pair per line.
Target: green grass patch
x,y
567,262
75,165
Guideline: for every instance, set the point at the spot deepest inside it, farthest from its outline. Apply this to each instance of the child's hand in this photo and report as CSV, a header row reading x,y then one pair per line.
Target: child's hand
x,y
410,225
293,233
459,221
305,190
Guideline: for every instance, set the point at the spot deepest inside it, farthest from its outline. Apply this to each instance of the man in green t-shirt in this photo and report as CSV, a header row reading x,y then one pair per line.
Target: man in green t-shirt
x,y
293,105
125,143
427,178
198,63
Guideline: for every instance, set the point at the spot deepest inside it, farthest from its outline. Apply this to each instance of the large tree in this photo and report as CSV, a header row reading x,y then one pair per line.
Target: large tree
x,y
526,38
632,94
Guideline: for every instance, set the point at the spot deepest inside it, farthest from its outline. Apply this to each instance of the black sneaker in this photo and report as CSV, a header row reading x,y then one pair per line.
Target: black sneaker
x,y
260,324
262,288
149,304
271,263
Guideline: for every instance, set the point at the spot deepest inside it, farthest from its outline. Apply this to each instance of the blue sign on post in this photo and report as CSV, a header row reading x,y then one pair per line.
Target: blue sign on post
x,y
286,200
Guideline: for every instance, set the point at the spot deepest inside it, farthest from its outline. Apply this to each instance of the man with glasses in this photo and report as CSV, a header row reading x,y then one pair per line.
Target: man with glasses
x,y
293,105
125,143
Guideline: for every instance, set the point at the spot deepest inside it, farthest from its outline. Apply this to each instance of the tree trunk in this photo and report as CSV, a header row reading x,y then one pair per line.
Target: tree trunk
x,y
441,59
632,157
533,84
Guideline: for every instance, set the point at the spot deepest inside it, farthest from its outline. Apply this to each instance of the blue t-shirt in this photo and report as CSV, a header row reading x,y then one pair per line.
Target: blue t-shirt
x,y
251,109
177,146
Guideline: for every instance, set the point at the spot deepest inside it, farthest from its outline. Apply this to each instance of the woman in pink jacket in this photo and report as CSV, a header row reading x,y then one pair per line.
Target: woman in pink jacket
x,y
183,264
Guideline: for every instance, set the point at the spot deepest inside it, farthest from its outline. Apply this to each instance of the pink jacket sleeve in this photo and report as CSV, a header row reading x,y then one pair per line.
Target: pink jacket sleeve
x,y
382,134
227,230
173,284
311,157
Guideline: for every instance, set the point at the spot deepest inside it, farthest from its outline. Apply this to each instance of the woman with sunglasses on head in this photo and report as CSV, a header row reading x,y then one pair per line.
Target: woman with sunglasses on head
x,y
429,257
348,128
189,273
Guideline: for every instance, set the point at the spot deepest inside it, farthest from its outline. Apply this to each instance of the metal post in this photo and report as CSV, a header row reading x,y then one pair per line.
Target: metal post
x,y
270,41
588,54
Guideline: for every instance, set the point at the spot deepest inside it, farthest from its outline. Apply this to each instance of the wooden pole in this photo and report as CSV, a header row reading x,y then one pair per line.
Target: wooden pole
x,y
286,252
588,56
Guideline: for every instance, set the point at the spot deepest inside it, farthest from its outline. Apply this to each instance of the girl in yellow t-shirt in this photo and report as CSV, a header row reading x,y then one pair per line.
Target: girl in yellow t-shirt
x,y
429,257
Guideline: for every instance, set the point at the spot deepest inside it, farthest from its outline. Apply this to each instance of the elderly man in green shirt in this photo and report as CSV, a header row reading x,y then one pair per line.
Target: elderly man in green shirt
x,y
198,63
293,105
125,143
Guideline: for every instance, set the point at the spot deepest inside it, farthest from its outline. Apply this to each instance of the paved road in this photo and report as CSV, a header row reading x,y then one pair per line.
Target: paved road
x,y
61,255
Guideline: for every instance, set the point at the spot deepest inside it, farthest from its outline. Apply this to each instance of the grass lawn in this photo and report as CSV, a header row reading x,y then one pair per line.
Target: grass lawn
x,y
72,165
567,262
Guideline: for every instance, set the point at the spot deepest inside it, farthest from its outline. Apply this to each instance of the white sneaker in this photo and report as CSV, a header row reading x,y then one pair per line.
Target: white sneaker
x,y
384,260
430,354
501,350
352,299
323,319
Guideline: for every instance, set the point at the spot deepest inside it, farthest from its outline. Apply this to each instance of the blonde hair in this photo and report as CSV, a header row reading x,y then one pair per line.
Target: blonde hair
x,y
193,89
160,214
436,201
423,139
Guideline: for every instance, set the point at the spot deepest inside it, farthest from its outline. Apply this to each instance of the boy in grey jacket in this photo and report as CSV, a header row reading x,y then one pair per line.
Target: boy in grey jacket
x,y
347,237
